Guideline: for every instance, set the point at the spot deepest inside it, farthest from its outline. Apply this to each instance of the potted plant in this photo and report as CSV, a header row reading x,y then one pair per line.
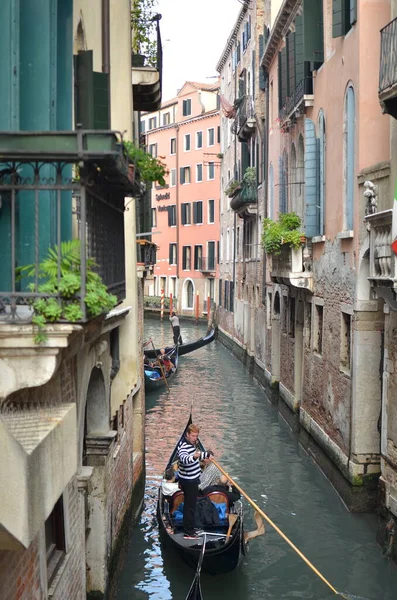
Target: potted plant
x,y
283,232
250,175
232,187
144,42
149,167
63,285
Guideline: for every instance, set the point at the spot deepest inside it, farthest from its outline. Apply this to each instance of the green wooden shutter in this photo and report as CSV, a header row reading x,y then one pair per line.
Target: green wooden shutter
x,y
169,216
338,18
279,77
353,11
170,254
262,79
299,60
313,24
220,293
183,214
101,101
199,211
84,98
291,63
194,212
284,76
182,174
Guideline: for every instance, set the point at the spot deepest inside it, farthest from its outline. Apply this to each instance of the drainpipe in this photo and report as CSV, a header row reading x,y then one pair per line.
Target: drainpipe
x,y
235,214
266,176
177,206
106,48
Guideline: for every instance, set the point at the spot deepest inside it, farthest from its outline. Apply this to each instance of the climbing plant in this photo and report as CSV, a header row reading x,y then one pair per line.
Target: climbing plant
x,y
150,168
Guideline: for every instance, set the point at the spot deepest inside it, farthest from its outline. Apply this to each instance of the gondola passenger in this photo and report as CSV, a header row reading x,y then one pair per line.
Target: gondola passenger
x,y
169,485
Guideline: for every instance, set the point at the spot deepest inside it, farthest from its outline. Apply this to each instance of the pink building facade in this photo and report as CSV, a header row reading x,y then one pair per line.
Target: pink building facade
x,y
185,134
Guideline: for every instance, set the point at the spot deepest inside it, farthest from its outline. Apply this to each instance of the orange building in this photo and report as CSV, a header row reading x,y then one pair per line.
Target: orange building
x,y
185,133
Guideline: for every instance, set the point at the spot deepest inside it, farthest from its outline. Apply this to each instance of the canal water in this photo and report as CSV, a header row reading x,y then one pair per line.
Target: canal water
x,y
258,448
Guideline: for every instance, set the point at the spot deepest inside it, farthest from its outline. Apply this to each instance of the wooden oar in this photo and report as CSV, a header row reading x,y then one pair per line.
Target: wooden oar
x,y
161,368
264,515
232,519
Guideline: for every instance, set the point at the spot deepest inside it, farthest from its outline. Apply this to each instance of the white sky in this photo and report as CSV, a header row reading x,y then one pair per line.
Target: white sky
x,y
193,33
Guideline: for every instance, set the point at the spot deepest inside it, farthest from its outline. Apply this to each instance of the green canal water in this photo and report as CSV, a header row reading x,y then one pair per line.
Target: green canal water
x,y
259,449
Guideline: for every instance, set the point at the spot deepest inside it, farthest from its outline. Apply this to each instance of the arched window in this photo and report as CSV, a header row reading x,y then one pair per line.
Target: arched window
x,y
270,213
321,137
188,294
349,158
300,176
292,179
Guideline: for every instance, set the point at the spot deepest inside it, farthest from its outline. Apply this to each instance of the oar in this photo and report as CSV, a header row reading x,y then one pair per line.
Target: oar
x,y
264,515
161,368
232,519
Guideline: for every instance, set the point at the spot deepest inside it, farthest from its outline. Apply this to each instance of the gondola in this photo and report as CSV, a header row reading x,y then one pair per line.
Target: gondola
x,y
153,374
186,348
222,554
195,592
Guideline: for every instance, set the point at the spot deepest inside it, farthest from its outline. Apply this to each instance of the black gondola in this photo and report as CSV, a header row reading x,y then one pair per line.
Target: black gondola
x,y
154,374
222,554
195,592
186,348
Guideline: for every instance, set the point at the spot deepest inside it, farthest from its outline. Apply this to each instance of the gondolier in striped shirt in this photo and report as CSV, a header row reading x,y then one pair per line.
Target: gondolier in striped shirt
x,y
189,476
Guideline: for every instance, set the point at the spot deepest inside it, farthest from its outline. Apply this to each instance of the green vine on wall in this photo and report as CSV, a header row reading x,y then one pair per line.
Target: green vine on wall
x,y
65,283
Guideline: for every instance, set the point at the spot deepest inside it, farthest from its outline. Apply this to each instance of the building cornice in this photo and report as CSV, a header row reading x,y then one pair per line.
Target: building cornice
x,y
186,122
232,37
287,11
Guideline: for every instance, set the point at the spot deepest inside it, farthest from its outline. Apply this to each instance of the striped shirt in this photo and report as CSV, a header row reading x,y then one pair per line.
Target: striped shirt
x,y
189,467
210,476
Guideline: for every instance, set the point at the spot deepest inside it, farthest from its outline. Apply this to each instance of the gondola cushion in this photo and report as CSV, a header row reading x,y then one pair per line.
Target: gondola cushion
x,y
205,520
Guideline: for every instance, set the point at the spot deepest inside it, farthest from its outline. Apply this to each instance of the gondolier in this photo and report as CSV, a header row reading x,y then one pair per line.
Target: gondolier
x,y
176,328
189,476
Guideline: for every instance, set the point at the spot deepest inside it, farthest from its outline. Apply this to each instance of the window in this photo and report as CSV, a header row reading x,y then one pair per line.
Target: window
x,y
172,254
55,539
211,137
349,157
198,258
211,211
345,341
173,146
142,127
197,212
187,107
211,171
227,245
199,173
318,328
187,142
185,174
153,150
199,140
189,294
154,217
271,193
344,15
166,118
218,139
186,258
211,256
173,177
308,325
186,213
172,216
321,135
153,123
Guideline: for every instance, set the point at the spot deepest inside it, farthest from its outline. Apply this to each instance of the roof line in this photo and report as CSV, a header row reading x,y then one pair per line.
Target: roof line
x,y
232,36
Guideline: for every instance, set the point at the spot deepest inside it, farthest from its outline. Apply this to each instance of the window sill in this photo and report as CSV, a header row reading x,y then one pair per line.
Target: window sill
x,y
345,235
317,356
58,575
318,239
345,371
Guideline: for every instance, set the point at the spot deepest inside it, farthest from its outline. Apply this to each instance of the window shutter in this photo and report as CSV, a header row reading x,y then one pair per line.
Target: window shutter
x,y
182,174
211,255
184,108
84,88
217,251
299,60
279,77
170,254
183,214
338,18
284,76
218,134
313,23
200,212
311,179
262,77
353,11
281,184
196,257
291,63
194,212
220,292
231,297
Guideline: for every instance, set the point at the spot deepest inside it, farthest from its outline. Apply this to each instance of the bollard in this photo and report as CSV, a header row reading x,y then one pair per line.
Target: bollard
x,y
162,305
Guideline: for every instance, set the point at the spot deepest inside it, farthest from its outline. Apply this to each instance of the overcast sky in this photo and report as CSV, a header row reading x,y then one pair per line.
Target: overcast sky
x,y
193,33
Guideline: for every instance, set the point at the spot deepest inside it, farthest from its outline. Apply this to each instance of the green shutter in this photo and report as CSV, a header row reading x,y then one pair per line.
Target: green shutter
x,y
101,101
338,18
182,174
291,63
299,60
84,98
279,77
284,76
313,24
353,11
194,212
170,254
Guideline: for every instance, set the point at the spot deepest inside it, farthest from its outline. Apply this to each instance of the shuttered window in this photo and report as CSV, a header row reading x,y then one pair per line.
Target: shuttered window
x,y
198,212
311,179
211,256
91,94
220,292
172,254
172,216
198,258
185,174
186,216
299,60
344,15
187,107
313,27
291,63
186,252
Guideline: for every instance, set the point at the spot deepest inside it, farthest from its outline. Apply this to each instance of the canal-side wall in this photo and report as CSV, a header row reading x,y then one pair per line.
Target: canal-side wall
x,y
361,498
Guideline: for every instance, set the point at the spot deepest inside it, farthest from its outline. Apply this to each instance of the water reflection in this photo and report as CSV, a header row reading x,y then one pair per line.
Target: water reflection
x,y
254,443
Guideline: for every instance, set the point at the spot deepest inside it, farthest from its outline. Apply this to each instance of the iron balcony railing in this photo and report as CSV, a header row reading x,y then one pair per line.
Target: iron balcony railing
x,y
46,201
206,263
388,56
146,253
303,88
245,112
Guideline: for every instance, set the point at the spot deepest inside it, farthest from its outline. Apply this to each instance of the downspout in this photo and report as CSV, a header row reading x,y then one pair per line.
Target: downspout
x,y
106,49
178,249
266,176
235,177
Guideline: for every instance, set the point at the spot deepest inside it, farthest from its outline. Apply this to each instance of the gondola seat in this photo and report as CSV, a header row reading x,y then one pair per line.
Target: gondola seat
x,y
176,500
221,502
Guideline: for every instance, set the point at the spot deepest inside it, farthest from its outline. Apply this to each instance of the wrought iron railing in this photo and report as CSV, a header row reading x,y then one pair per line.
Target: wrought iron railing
x,y
245,111
43,204
382,260
304,87
146,253
388,56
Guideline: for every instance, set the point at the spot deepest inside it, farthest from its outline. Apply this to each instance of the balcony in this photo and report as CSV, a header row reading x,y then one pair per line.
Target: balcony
x,y
382,260
295,104
145,257
245,198
293,267
43,205
244,125
388,69
147,79
206,264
